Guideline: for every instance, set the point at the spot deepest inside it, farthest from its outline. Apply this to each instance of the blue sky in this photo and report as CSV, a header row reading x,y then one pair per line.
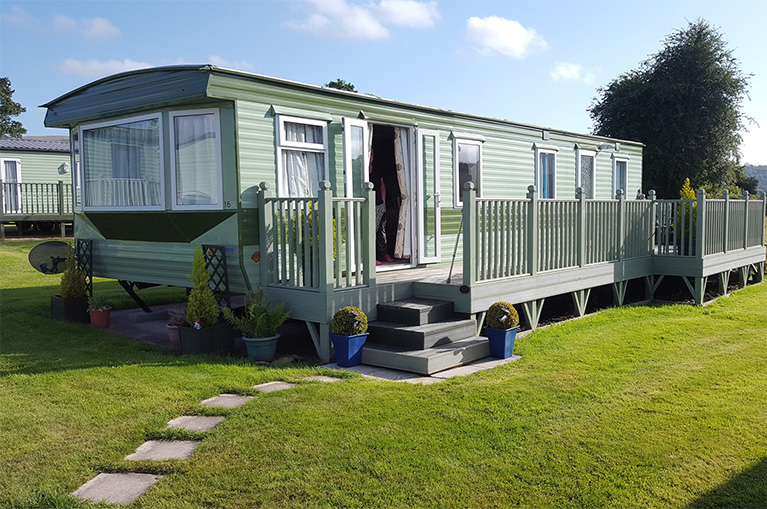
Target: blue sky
x,y
534,61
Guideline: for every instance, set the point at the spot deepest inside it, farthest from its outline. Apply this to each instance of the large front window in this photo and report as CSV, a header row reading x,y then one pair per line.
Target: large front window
x,y
195,159
122,164
302,151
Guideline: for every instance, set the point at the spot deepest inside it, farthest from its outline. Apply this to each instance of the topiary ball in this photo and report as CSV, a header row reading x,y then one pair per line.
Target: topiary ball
x,y
349,321
501,315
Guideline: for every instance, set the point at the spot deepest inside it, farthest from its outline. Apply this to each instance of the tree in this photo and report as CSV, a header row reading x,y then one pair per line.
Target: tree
x,y
684,104
341,85
8,109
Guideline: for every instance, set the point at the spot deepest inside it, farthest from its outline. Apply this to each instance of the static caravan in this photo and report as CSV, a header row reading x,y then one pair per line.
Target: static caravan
x,y
35,181
328,198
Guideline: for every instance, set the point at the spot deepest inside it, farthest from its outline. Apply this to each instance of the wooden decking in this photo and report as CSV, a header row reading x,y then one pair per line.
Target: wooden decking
x,y
23,203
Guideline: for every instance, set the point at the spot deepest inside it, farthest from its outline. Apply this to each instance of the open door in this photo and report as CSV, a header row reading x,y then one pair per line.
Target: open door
x,y
356,160
428,215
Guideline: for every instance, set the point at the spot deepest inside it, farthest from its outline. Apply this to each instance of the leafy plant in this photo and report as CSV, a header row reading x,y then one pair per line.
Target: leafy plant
x,y
202,304
501,315
258,320
99,303
177,317
686,214
349,321
306,222
73,285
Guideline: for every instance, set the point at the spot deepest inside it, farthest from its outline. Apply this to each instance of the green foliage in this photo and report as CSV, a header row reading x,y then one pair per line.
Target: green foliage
x,y
501,315
202,303
99,303
340,84
349,321
684,104
686,226
258,320
73,284
9,108
307,223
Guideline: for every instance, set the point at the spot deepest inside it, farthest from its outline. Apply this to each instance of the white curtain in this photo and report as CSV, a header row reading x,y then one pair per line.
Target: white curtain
x,y
303,169
196,170
402,244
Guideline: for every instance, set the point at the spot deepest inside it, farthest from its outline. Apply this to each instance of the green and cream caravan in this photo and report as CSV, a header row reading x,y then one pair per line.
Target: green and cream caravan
x,y
278,174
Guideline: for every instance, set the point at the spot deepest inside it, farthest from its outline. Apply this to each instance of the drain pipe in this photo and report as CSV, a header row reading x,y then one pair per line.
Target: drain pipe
x,y
455,250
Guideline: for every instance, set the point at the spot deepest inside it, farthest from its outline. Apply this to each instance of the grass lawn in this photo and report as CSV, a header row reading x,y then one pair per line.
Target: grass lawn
x,y
635,407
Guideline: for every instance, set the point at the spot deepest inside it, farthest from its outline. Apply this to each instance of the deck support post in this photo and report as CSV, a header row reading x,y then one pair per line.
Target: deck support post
x,y
321,339
532,231
651,285
480,317
724,281
697,288
743,273
580,300
759,275
532,310
619,292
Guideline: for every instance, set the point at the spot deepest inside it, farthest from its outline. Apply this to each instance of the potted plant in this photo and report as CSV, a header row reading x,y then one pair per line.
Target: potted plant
x,y
258,325
501,326
348,331
203,331
176,319
72,303
100,310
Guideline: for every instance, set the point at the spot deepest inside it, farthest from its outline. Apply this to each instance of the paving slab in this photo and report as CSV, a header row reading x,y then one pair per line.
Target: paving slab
x,y
376,372
475,367
322,378
273,386
195,422
116,488
226,401
164,450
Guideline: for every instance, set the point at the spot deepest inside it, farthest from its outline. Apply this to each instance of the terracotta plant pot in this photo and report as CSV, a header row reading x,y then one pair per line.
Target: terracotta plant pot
x,y
100,317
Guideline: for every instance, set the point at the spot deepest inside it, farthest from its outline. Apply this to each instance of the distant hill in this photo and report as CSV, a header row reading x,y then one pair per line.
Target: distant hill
x,y
759,173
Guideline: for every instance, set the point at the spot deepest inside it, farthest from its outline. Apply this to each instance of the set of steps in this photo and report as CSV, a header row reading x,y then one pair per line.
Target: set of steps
x,y
422,336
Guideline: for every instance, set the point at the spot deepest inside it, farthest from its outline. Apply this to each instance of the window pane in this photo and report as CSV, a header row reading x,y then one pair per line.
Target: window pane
x,y
122,166
468,167
547,176
303,133
429,164
196,156
358,164
620,175
587,176
303,171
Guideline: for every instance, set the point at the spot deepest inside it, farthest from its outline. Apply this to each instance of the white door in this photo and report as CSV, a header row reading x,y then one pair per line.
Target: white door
x,y
356,160
11,175
428,215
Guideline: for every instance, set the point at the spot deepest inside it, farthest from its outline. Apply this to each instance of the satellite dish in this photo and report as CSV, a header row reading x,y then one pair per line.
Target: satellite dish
x,y
49,257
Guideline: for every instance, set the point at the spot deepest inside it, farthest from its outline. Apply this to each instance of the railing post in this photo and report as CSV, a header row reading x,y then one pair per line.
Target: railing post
x,y
369,235
325,252
60,197
532,230
763,197
2,210
653,219
726,198
621,224
469,234
581,226
745,219
265,232
700,226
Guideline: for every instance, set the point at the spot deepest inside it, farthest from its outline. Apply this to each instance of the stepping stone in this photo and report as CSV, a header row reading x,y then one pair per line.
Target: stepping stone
x,y
322,378
226,401
164,450
273,386
116,488
195,422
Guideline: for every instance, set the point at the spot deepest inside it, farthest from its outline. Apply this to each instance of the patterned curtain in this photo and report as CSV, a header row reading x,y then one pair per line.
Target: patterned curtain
x,y
402,243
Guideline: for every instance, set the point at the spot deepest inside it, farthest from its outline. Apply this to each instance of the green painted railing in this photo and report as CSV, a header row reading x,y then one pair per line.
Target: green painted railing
x,y
321,244
22,199
504,238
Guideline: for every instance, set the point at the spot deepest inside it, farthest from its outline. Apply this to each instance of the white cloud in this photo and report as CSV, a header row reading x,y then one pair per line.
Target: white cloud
x,y
572,72
504,36
347,20
92,29
98,69
241,65
17,16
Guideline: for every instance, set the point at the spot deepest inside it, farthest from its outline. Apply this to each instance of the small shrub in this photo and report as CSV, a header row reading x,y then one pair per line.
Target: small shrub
x,y
99,303
202,304
177,317
501,315
349,321
258,321
73,285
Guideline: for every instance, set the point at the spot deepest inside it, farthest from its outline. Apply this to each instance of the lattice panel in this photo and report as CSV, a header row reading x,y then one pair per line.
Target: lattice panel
x,y
215,262
84,253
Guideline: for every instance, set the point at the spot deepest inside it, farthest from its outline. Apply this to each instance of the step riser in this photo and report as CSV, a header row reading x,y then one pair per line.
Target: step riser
x,y
419,340
426,365
417,315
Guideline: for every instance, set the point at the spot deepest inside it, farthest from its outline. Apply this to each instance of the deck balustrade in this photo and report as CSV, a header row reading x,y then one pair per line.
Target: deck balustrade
x,y
27,199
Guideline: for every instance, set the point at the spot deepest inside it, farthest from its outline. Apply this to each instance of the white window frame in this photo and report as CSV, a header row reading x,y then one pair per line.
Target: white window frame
x,y
84,184
219,169
4,205
283,144
457,191
545,149
588,153
619,158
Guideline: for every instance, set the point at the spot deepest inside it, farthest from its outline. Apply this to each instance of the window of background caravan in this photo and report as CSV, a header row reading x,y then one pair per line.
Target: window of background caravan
x,y
10,173
620,175
301,156
122,165
546,170
74,150
467,167
196,159
585,172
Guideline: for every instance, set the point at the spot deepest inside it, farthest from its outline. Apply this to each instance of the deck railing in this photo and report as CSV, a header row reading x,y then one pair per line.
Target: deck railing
x,y
503,238
28,199
322,244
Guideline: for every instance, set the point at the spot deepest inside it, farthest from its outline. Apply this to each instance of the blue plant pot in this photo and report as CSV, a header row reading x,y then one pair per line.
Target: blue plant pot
x,y
501,341
348,348
261,349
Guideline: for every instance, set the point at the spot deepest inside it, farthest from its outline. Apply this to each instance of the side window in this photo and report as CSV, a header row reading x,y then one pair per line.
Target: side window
x,y
301,156
585,176
122,164
546,172
196,159
467,167
620,175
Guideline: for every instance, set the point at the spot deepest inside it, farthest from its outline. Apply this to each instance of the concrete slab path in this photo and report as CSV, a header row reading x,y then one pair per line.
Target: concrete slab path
x,y
273,386
164,450
196,422
116,488
226,401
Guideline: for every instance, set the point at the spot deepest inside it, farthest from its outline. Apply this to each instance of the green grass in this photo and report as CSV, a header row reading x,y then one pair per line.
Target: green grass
x,y
633,407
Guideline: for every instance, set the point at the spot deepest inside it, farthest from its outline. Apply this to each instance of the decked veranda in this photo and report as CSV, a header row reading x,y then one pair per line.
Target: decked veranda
x,y
318,254
22,203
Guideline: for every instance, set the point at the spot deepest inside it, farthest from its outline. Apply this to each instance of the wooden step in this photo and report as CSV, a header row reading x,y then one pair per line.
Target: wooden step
x,y
421,336
415,311
429,360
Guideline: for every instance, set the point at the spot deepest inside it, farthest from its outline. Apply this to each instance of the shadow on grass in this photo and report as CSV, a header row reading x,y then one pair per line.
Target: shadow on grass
x,y
745,490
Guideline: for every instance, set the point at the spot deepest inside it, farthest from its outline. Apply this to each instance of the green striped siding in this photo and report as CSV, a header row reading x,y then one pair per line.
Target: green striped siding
x,y
39,167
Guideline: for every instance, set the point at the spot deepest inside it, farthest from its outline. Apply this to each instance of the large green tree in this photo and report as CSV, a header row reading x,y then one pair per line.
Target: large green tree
x,y
684,104
341,85
8,109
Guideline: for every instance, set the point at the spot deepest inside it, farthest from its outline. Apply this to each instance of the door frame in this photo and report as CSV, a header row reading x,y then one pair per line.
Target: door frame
x,y
4,177
422,194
